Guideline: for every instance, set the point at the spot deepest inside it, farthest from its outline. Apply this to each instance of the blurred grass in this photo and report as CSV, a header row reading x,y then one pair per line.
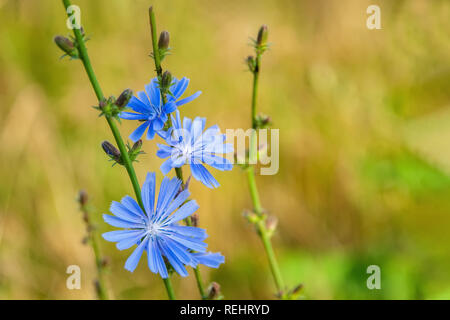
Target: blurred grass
x,y
364,120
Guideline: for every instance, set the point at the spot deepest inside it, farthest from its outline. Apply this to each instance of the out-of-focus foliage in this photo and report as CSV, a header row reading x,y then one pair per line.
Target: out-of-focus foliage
x,y
364,118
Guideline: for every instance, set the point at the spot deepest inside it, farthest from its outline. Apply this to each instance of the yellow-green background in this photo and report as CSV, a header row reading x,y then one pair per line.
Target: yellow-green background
x,y
364,119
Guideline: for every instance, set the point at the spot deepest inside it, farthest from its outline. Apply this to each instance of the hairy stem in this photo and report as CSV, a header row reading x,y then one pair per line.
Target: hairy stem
x,y
83,55
260,225
178,171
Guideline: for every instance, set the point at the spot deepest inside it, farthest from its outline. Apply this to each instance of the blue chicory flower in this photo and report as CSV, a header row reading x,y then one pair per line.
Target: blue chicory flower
x,y
157,230
190,143
148,107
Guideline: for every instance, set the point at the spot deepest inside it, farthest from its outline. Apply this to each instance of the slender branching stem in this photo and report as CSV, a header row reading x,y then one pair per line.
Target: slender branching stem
x,y
92,239
178,171
84,57
260,224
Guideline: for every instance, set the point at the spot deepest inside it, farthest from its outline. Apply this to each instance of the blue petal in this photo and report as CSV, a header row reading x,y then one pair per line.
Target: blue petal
x,y
137,105
173,259
200,173
131,241
193,232
132,116
119,235
170,107
180,87
184,211
153,92
143,97
119,223
137,134
158,124
166,166
177,202
134,258
167,192
188,99
150,132
133,206
122,212
209,259
181,252
155,260
190,243
163,151
217,162
148,193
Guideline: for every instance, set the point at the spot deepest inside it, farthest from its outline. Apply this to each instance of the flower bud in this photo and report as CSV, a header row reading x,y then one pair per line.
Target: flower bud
x,y
251,63
83,197
166,80
214,291
66,45
262,35
163,42
124,98
271,224
136,146
195,219
111,151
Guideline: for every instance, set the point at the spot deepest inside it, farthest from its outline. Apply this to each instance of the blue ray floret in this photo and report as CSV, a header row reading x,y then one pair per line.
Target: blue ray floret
x,y
149,109
157,230
189,143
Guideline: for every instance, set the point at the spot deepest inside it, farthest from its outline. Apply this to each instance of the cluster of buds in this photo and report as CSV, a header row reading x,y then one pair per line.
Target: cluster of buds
x,y
114,154
111,107
67,46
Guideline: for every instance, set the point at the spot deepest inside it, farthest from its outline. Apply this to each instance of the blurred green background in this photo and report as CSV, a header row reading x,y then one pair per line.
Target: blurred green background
x,y
364,119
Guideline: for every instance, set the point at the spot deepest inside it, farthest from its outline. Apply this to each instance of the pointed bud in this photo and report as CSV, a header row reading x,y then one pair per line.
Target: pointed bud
x,y
136,146
66,45
214,291
271,224
124,98
164,38
262,35
195,219
111,151
83,197
166,80
251,63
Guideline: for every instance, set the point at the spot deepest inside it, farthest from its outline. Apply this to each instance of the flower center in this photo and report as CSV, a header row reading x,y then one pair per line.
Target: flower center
x,y
153,229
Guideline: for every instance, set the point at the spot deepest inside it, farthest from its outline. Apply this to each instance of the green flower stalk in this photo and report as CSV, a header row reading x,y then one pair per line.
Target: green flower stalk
x,y
79,43
92,240
165,79
265,226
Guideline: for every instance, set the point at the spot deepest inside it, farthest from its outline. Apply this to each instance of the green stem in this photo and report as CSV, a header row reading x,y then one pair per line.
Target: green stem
x,y
93,241
83,55
260,225
178,171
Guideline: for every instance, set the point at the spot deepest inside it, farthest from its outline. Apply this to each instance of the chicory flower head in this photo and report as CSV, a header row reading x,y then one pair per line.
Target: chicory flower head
x,y
148,107
189,143
157,230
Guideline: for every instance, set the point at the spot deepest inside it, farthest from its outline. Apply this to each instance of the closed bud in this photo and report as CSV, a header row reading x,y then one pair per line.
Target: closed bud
x,y
66,45
166,80
111,150
123,99
164,38
251,63
262,35
195,219
271,224
214,291
83,197
137,146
